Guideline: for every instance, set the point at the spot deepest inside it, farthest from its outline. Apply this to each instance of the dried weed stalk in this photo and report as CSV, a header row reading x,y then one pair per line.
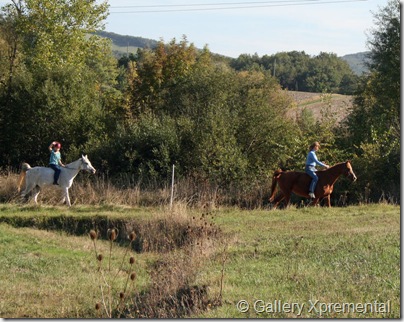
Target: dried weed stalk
x,y
114,299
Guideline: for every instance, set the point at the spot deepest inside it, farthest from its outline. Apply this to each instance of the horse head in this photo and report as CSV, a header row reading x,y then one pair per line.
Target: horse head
x,y
349,171
86,164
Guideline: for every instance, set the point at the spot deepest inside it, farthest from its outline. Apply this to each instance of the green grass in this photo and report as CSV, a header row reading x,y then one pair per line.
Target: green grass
x,y
30,211
332,255
48,274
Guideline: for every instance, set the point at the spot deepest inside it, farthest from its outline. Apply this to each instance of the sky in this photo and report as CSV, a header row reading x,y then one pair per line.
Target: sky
x,y
255,26
263,27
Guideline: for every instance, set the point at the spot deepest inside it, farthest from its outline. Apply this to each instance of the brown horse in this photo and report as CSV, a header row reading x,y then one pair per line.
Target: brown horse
x,y
298,183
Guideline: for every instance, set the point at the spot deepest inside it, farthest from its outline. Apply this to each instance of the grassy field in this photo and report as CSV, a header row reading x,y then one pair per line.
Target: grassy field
x,y
51,274
315,259
299,255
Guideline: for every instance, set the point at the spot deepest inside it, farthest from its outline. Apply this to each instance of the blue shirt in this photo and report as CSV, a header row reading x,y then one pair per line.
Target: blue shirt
x,y
312,159
54,158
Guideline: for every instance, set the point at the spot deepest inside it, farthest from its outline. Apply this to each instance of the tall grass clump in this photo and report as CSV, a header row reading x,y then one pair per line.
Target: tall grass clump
x,y
172,291
116,285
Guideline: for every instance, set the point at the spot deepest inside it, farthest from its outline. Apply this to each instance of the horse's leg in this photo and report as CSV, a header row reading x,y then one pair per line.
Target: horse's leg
x,y
328,198
66,196
278,199
36,193
314,201
28,187
286,188
287,198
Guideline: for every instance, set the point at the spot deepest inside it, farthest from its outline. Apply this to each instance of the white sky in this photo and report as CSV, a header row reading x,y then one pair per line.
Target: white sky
x,y
334,26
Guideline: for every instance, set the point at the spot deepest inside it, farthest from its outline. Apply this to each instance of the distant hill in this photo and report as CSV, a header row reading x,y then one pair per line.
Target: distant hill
x,y
124,44
357,62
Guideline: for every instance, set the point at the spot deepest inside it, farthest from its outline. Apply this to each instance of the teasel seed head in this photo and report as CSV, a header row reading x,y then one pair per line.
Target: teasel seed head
x,y
132,236
100,257
93,234
132,260
111,233
97,306
121,295
133,276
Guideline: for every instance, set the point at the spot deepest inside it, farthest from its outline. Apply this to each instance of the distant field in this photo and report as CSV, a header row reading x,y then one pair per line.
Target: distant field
x,y
336,105
337,255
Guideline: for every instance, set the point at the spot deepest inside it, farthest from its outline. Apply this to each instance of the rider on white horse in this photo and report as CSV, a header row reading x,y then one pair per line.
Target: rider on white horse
x,y
55,161
37,177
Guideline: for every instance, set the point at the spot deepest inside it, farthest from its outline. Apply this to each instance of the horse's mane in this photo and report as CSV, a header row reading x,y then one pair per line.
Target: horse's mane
x,y
74,162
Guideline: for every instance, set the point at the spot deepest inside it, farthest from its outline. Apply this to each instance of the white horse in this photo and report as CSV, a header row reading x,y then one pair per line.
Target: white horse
x,y
37,177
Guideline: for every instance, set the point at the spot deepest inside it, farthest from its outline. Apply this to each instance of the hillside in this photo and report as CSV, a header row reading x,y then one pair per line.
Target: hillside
x,y
357,62
124,44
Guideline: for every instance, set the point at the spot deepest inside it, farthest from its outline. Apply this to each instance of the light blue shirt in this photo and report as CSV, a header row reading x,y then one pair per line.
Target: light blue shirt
x,y
54,158
312,159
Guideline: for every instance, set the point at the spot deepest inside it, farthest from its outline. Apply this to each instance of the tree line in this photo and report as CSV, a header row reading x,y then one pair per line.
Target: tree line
x,y
219,121
299,71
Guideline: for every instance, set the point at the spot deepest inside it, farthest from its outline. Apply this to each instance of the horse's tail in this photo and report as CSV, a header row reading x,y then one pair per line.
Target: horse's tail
x,y
276,175
24,168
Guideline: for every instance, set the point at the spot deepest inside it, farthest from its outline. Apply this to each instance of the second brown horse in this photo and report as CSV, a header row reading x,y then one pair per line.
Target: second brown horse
x,y
298,183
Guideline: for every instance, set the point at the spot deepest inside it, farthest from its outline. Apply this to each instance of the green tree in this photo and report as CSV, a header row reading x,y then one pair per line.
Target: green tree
x,y
55,32
227,122
298,71
62,82
289,67
157,72
326,72
264,133
374,124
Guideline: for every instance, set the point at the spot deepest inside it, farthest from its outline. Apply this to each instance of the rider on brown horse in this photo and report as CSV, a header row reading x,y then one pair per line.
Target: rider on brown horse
x,y
310,168
300,183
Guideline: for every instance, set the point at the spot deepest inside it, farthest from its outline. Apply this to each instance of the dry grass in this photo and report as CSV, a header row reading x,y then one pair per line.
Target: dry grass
x,y
97,190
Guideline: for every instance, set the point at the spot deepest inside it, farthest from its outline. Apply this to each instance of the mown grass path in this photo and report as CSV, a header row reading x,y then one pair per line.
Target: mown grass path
x,y
338,255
